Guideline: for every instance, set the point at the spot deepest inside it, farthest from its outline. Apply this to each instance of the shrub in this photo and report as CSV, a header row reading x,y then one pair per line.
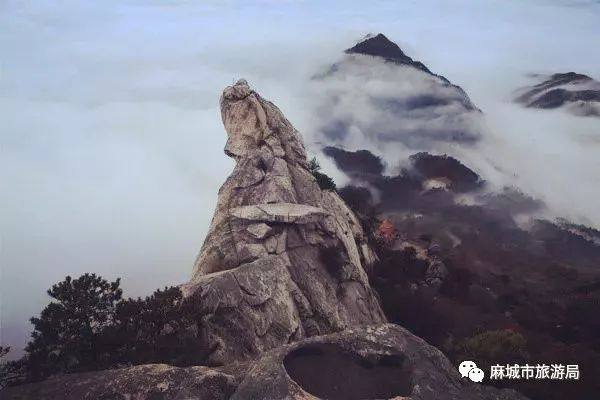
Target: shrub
x,y
164,327
88,326
4,367
324,181
492,347
67,336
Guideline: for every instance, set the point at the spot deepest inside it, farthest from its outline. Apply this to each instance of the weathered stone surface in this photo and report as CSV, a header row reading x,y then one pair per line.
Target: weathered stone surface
x,y
283,259
288,213
143,382
382,361
248,310
372,362
259,231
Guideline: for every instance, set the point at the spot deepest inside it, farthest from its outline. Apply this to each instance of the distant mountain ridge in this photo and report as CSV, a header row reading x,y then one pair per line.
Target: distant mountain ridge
x,y
579,93
389,97
456,257
380,46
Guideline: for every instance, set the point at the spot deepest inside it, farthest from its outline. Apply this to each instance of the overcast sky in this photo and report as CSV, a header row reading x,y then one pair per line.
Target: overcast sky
x,y
112,144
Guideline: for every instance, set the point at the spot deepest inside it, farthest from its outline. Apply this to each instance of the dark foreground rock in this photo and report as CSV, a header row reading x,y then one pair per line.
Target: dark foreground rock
x,y
374,362
142,382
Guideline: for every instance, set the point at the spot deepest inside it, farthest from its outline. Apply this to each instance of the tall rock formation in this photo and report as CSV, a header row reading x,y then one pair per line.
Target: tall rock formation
x,y
283,259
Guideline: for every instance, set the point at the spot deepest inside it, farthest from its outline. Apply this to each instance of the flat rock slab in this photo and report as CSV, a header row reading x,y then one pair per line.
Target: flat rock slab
x,y
289,213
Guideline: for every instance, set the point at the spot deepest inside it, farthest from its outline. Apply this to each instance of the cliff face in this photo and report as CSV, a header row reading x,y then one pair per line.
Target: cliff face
x,y
283,259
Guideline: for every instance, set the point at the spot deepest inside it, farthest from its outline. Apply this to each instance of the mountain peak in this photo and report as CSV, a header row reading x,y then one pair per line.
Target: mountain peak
x,y
379,46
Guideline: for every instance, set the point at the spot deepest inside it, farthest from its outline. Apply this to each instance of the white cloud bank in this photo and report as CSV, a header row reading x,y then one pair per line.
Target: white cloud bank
x,y
111,135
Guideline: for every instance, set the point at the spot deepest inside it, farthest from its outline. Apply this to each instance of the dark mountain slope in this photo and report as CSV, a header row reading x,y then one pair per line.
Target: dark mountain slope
x,y
458,265
580,94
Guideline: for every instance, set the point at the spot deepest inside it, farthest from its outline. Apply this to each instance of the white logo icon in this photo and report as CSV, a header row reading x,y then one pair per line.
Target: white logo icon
x,y
476,375
469,369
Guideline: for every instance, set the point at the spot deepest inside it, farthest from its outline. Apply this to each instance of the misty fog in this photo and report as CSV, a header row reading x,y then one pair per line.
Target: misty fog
x,y
112,143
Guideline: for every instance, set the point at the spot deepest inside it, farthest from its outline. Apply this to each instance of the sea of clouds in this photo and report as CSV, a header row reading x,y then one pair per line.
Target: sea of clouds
x,y
112,144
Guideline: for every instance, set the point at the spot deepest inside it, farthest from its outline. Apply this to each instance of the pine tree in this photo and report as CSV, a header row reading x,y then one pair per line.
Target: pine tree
x,y
324,181
69,333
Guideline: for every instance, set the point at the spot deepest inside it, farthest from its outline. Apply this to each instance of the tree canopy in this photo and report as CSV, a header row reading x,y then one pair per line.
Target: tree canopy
x,y
324,181
89,326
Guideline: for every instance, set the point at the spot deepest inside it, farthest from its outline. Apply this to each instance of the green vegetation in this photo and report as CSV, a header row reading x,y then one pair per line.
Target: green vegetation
x,y
69,333
324,181
5,368
89,326
491,347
